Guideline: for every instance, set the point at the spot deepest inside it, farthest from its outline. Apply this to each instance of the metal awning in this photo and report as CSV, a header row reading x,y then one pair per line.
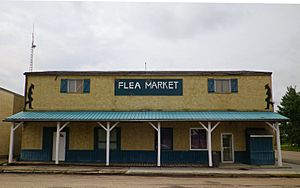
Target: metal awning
x,y
144,116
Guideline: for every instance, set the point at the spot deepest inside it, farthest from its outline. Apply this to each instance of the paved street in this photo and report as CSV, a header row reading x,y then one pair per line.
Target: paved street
x,y
95,181
28,180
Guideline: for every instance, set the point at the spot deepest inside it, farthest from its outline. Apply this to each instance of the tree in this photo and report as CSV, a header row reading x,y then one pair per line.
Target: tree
x,y
290,107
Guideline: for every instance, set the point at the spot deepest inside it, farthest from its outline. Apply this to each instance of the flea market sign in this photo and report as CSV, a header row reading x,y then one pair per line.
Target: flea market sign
x,y
148,87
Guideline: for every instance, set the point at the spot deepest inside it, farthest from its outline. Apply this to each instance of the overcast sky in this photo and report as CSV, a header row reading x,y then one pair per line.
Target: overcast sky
x,y
168,36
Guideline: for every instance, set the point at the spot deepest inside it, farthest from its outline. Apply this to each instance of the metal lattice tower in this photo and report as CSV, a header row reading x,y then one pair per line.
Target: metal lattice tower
x,y
32,48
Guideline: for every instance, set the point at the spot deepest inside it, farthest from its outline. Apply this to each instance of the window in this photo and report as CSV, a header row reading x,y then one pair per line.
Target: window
x,y
101,139
75,86
166,139
198,139
222,85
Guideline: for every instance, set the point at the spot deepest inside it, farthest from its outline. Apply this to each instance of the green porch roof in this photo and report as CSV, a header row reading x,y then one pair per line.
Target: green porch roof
x,y
144,116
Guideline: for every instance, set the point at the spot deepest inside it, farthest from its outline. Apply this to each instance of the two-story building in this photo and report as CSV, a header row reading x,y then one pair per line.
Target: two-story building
x,y
156,117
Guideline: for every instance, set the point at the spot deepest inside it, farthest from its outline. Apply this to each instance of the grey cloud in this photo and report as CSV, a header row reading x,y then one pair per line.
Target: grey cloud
x,y
169,36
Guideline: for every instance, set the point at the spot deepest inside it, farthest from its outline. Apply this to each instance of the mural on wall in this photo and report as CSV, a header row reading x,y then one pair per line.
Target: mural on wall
x,y
269,96
29,96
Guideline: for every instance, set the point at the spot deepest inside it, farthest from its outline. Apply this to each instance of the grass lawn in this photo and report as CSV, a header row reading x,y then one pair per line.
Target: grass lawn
x,y
287,147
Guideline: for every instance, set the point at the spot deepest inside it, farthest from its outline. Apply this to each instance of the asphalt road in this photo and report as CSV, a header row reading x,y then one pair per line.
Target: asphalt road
x,y
93,181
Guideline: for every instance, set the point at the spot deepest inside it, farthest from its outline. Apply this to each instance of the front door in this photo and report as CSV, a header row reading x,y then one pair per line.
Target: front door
x,y
62,146
227,150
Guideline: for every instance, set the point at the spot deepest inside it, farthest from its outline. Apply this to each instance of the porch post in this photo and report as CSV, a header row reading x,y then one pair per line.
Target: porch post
x,y
57,143
275,128
108,129
158,144
279,156
107,142
209,145
11,144
13,127
209,130
158,129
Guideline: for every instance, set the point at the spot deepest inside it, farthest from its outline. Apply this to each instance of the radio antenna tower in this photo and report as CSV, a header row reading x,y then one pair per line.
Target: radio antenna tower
x,y
32,48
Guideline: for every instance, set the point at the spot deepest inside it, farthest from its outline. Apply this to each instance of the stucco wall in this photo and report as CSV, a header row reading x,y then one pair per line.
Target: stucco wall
x,y
10,103
6,109
32,135
251,95
17,107
81,136
139,136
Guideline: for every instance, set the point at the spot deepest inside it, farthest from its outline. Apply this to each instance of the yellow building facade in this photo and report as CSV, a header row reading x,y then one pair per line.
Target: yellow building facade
x,y
194,115
250,97
10,103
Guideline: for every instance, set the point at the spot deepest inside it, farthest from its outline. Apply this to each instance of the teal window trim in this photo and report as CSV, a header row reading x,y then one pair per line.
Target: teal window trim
x,y
86,85
211,85
234,85
64,86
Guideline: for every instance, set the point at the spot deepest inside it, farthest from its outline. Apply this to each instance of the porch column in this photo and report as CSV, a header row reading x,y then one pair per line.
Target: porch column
x,y
158,141
58,130
158,144
275,128
209,145
11,141
107,129
107,142
279,156
57,142
209,130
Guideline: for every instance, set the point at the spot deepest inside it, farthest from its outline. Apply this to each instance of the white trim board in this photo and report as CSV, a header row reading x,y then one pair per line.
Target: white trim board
x,y
261,136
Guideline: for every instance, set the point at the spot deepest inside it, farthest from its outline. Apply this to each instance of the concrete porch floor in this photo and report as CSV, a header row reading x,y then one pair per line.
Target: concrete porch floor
x,y
147,165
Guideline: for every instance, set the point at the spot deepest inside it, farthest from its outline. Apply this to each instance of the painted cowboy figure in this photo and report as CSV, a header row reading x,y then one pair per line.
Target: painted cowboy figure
x,y
269,96
29,96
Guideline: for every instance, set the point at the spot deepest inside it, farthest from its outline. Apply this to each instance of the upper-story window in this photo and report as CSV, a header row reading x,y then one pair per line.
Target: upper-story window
x,y
75,86
222,85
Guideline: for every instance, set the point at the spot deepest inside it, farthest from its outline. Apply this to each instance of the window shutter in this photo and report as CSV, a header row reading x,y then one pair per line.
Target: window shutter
x,y
211,85
63,85
234,85
86,85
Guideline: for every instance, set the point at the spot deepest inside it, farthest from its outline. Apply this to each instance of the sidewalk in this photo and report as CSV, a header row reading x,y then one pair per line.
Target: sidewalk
x,y
236,170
